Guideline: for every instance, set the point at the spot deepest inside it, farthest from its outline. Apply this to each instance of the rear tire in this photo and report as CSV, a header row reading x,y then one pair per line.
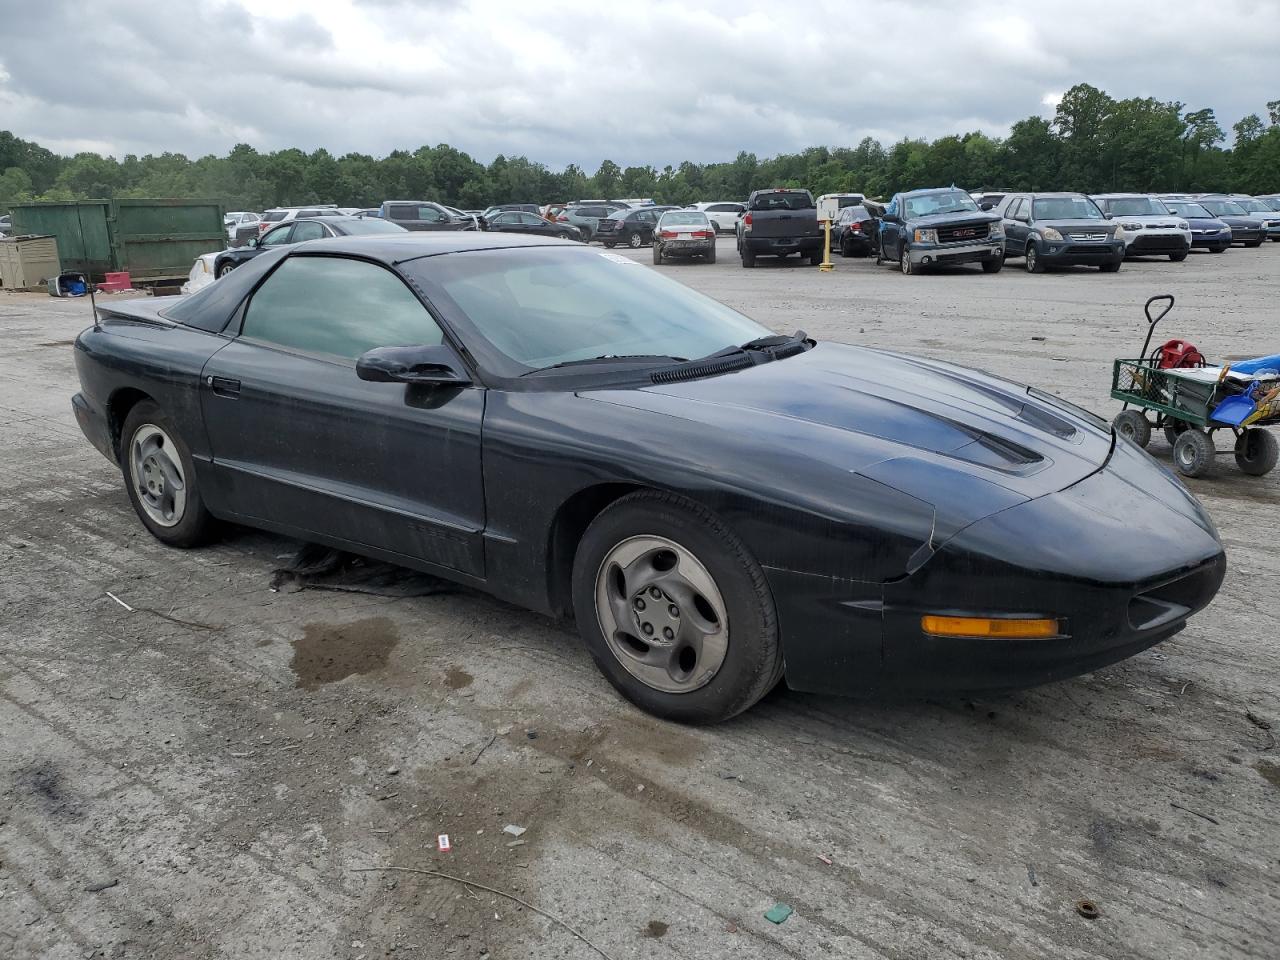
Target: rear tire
x,y
160,478
748,258
711,254
815,258
608,244
1132,425
1256,451
651,540
657,255
1253,243
1193,453
1109,267
635,241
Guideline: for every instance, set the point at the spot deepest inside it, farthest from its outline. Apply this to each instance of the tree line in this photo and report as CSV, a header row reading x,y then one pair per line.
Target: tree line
x,y
1094,143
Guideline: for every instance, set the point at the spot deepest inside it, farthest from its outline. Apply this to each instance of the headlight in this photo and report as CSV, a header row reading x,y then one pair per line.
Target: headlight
x,y
1132,226
1119,234
997,231
926,236
1051,234
1183,225
204,267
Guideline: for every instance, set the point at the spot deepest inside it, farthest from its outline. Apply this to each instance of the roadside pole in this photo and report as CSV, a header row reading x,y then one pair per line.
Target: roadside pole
x,y
828,210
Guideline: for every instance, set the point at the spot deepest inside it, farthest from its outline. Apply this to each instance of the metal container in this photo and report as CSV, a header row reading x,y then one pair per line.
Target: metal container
x,y
152,240
26,262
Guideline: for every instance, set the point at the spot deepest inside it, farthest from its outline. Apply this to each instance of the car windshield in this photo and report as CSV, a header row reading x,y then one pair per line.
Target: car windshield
x,y
1065,208
1185,208
954,201
357,228
783,200
1138,207
1223,208
1253,206
676,218
541,306
1272,202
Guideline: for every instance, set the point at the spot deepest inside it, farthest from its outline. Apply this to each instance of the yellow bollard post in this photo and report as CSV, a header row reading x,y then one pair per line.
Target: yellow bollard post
x,y
825,266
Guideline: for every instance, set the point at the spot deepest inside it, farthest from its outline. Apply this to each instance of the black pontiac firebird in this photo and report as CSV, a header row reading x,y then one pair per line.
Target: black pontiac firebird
x,y
716,506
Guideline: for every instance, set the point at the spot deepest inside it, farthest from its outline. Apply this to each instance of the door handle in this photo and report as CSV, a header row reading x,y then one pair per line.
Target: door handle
x,y
224,387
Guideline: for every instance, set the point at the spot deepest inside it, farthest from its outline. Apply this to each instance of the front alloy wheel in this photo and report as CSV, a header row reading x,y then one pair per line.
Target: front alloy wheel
x,y
635,241
661,614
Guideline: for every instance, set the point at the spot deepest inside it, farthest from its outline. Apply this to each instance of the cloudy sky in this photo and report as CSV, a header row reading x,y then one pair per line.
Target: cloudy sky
x,y
637,81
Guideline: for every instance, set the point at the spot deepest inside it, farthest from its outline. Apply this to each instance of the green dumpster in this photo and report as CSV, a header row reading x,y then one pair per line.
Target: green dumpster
x,y
152,240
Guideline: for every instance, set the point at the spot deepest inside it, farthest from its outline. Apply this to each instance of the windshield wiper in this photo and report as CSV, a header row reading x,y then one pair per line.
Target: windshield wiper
x,y
609,358
768,345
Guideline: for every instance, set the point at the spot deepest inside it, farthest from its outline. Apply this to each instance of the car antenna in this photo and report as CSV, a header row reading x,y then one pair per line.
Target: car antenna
x,y
88,278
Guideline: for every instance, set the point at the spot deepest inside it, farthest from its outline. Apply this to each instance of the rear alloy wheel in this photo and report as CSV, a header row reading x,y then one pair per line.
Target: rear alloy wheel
x,y
675,610
1256,451
1033,260
1193,453
904,261
635,241
160,478
1132,425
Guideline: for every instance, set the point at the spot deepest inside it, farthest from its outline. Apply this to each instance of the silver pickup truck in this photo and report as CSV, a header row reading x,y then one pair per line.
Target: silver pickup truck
x,y
778,223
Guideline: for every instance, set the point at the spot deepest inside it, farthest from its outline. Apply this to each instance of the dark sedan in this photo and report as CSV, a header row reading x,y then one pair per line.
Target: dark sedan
x,y
853,234
1244,229
715,505
296,231
515,221
1059,229
632,228
1207,231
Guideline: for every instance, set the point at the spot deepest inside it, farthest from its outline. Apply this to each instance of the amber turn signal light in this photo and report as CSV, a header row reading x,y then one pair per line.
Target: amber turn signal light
x,y
1002,628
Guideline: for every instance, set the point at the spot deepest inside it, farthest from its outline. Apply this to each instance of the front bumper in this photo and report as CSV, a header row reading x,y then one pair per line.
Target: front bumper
x,y
1247,234
1151,243
1068,252
942,255
1210,241
1122,559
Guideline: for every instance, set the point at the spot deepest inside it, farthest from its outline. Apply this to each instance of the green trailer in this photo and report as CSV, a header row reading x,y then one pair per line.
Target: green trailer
x,y
154,241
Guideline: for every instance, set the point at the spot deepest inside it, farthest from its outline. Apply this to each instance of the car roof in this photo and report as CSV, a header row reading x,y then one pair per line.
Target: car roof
x,y
1053,195
927,190
392,248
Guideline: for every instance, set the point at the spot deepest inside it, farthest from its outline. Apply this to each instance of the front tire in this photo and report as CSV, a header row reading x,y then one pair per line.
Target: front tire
x,y
1178,257
1109,267
674,609
160,478
1253,244
1193,453
994,265
1033,260
1132,425
224,269
608,244
904,261
1256,451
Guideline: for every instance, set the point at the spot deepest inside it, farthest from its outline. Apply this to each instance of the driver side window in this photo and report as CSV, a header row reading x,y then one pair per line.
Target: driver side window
x,y
273,238
337,307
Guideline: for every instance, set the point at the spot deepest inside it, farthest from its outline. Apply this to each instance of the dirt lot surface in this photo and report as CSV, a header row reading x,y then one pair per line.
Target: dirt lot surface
x,y
209,773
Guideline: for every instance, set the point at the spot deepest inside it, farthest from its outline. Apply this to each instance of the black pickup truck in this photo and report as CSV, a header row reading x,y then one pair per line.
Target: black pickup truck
x,y
779,223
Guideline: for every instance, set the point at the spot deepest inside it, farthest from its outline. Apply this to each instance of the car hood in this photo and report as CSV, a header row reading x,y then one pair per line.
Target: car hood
x,y
939,432
1089,226
1210,223
1150,220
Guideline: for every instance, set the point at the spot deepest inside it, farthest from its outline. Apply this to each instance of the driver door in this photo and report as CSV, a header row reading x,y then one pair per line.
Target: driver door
x,y
302,445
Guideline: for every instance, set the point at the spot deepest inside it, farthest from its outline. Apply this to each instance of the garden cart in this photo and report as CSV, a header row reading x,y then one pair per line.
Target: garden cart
x,y
1191,400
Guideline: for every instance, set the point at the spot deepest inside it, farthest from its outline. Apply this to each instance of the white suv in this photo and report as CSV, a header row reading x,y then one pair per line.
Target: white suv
x,y
1149,228
723,214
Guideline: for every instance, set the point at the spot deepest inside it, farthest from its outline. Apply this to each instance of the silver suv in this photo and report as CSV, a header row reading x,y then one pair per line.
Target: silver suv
x,y
1149,228
587,216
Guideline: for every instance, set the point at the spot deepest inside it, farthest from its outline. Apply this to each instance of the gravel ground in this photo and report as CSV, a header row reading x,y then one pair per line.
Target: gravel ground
x,y
210,773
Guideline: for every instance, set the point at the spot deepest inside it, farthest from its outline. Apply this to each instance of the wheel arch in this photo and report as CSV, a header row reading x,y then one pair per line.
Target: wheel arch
x,y
568,525
118,407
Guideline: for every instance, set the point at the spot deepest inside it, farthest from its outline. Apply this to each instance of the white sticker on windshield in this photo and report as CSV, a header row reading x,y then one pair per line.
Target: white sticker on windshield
x,y
617,258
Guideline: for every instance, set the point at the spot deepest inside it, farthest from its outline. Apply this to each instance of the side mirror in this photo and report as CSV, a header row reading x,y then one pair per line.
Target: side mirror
x,y
1109,216
986,205
891,218
433,365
